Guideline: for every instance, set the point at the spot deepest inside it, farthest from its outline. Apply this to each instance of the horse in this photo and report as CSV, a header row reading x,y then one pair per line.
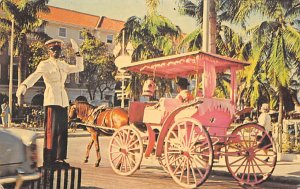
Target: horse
x,y
98,116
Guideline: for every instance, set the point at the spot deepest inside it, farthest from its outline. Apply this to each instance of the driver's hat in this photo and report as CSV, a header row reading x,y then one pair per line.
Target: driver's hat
x,y
54,42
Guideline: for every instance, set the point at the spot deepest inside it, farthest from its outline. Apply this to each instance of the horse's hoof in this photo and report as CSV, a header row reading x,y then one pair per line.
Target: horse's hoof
x,y
96,165
85,161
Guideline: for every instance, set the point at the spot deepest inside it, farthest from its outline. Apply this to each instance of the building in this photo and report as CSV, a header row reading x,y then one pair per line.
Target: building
x,y
65,24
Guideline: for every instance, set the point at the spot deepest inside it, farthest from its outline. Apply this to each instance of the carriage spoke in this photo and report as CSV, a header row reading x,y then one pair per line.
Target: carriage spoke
x,y
240,166
182,170
249,166
175,159
120,163
237,160
134,149
196,139
253,169
258,166
132,160
186,135
136,141
127,137
125,163
263,148
131,139
199,171
115,146
188,172
193,171
174,151
264,162
117,139
127,158
200,161
243,175
116,157
178,166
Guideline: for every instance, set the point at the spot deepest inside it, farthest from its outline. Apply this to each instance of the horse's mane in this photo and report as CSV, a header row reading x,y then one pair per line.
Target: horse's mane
x,y
84,108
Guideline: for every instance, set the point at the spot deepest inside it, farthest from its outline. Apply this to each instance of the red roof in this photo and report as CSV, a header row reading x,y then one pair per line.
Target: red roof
x,y
71,17
111,24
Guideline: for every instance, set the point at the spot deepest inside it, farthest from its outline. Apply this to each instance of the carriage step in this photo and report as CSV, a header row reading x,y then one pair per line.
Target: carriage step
x,y
56,178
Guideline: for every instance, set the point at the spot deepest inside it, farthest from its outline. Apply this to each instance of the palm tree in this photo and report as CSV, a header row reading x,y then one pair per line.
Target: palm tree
x,y
152,36
24,14
275,41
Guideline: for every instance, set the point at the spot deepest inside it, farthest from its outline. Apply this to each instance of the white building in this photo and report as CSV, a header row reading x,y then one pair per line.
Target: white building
x,y
65,24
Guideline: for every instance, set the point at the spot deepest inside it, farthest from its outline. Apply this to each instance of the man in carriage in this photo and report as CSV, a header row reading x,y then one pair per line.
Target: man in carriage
x,y
184,94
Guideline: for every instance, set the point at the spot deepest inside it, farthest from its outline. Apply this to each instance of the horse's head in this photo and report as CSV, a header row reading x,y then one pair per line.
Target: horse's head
x,y
81,110
72,112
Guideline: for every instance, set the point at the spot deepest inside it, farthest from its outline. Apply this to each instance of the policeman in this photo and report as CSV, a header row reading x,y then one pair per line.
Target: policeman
x,y
54,72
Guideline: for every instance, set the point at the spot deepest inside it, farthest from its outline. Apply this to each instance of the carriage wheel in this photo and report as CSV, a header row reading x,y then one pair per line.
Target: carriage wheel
x,y
125,151
162,162
248,159
188,153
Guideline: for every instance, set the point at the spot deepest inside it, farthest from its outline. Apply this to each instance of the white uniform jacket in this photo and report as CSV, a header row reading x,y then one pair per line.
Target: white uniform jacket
x,y
54,72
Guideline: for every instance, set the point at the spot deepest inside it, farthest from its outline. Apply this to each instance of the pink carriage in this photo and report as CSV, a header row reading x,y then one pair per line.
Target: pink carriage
x,y
186,138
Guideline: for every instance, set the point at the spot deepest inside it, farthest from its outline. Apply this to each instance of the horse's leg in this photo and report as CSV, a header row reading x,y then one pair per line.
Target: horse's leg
x,y
95,137
89,146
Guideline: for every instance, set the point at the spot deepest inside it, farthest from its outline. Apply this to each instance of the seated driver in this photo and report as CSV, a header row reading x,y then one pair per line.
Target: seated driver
x,y
184,94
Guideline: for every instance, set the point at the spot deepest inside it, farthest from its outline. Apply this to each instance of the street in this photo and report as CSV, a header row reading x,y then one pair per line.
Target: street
x,y
150,175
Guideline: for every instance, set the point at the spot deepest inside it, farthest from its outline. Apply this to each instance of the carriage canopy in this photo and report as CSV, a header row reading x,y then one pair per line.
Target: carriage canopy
x,y
192,63
185,64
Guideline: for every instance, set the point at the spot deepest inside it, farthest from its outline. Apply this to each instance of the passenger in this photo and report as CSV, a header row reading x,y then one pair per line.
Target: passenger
x,y
184,94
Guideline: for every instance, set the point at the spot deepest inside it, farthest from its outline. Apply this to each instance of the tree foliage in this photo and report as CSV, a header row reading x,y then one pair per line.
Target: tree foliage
x,y
151,36
99,69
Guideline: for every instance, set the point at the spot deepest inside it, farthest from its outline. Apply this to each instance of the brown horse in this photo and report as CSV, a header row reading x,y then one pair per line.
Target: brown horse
x,y
90,115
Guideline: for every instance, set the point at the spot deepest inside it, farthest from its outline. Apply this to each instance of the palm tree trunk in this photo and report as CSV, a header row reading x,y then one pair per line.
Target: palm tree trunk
x,y
20,100
212,26
280,118
280,108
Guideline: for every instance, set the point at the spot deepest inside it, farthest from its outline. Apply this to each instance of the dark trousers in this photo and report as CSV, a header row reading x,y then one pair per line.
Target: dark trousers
x,y
56,134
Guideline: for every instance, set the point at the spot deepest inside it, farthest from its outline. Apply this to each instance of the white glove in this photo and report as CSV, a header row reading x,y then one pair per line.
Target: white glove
x,y
21,90
74,45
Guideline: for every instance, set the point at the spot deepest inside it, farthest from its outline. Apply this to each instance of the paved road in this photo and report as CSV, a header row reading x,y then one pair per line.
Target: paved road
x,y
149,176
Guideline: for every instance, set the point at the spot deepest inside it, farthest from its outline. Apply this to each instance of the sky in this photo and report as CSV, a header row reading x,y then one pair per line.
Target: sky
x,y
123,9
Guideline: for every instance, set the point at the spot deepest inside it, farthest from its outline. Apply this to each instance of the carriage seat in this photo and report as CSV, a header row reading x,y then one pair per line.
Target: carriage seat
x,y
157,114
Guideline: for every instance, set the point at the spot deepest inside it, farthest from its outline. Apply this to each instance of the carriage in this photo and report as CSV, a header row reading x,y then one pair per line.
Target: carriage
x,y
187,138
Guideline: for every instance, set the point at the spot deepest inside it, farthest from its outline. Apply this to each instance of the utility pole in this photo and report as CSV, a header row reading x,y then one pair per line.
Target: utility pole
x,y
11,70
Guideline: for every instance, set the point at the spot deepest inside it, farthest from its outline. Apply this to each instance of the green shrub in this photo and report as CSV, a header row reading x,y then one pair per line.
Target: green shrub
x,y
297,148
287,147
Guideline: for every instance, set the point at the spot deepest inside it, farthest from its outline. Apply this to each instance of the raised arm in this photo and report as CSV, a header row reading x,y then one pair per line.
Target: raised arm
x,y
75,68
79,59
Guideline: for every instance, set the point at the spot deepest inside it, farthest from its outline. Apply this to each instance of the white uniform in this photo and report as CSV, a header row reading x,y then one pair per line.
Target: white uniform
x,y
54,72
265,120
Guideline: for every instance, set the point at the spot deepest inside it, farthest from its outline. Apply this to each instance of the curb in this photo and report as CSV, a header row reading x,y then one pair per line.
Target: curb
x,y
70,135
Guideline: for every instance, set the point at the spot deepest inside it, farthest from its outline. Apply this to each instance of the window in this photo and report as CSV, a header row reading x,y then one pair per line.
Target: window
x,y
77,78
15,71
62,32
109,38
68,80
80,35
